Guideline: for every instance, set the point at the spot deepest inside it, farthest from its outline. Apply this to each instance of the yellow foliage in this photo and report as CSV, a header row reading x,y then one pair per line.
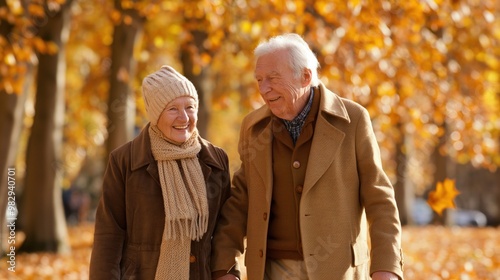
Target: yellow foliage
x,y
386,88
353,4
127,4
10,59
16,8
245,26
399,59
39,44
36,10
158,41
115,16
205,58
492,77
51,48
128,20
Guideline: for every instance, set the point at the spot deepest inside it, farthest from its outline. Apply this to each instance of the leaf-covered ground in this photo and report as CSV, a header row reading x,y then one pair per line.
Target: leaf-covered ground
x,y
430,253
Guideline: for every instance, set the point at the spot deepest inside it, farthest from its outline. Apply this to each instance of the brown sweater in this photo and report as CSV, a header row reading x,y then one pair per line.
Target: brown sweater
x,y
289,170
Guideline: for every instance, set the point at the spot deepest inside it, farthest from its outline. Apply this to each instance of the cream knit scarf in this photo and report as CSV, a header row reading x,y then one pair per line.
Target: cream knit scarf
x,y
185,202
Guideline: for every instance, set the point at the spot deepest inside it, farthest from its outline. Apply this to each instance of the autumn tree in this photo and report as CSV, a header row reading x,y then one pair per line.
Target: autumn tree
x,y
7,120
11,113
472,69
15,81
193,34
121,100
42,213
192,51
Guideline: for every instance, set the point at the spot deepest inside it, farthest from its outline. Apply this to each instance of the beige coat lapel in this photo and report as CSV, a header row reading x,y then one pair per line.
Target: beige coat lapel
x,y
323,150
327,138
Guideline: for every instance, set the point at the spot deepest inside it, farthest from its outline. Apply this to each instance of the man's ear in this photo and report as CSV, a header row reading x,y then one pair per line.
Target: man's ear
x,y
306,77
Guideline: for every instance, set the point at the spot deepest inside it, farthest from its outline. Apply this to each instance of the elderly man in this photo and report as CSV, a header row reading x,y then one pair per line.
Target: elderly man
x,y
311,190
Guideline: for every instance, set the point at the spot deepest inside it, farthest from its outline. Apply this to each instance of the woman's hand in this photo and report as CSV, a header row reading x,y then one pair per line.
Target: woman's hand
x,y
228,277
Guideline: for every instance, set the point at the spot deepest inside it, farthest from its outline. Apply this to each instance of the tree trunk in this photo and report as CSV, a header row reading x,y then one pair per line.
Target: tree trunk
x,y
495,220
190,49
42,211
12,111
440,174
121,100
11,116
403,188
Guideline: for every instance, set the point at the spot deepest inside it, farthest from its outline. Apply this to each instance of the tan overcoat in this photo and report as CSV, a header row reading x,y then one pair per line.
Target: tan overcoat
x,y
345,191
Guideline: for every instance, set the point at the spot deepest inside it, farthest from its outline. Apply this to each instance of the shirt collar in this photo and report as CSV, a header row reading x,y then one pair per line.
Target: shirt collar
x,y
294,126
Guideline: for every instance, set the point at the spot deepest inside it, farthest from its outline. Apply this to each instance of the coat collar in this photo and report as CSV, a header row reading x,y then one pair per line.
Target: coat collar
x,y
332,104
141,154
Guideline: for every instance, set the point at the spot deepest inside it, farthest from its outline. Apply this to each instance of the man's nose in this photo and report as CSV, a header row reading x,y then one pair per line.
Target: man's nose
x,y
264,86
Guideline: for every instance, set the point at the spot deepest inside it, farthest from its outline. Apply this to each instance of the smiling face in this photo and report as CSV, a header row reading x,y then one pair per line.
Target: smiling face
x,y
178,120
284,93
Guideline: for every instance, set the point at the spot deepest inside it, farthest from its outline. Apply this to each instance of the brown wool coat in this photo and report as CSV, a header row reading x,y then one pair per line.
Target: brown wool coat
x,y
345,190
130,215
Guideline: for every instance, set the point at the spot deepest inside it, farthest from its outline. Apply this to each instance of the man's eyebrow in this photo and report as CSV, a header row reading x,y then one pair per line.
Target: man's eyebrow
x,y
272,73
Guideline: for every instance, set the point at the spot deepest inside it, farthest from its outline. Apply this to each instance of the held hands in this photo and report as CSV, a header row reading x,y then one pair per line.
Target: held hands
x,y
230,277
381,275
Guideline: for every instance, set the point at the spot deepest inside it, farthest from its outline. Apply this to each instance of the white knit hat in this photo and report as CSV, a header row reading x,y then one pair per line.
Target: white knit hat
x,y
163,86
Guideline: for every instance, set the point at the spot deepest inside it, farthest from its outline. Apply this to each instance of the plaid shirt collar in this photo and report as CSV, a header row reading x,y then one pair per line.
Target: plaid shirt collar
x,y
294,126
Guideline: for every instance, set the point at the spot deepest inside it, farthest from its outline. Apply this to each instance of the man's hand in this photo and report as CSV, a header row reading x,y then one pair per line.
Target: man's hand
x,y
381,275
230,277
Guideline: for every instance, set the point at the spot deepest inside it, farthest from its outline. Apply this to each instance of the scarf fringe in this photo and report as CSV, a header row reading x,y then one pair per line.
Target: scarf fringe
x,y
180,228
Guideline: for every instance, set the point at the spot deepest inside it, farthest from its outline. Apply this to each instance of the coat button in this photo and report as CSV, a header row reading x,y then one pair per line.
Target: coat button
x,y
299,189
264,216
192,259
261,253
296,164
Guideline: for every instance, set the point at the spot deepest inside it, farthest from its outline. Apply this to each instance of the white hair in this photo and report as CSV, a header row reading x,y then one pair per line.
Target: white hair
x,y
299,53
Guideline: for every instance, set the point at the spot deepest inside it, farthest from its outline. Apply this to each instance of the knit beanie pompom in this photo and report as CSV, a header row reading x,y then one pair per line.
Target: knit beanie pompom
x,y
163,86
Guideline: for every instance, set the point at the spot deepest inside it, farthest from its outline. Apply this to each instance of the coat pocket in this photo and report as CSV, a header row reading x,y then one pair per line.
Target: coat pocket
x,y
360,253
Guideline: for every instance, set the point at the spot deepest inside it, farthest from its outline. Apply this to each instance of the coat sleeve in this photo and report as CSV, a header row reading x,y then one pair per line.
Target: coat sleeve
x,y
110,225
227,243
378,199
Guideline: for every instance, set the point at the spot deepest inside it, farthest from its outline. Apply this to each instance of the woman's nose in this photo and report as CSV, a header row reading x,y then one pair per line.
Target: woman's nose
x,y
183,115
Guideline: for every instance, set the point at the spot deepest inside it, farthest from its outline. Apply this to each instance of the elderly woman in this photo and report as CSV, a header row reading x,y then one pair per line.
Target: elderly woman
x,y
162,192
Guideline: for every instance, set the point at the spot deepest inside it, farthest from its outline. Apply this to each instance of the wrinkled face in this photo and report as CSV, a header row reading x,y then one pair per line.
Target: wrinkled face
x,y
284,93
178,120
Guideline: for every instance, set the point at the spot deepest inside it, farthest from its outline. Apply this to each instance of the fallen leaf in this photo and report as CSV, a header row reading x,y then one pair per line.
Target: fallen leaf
x,y
443,196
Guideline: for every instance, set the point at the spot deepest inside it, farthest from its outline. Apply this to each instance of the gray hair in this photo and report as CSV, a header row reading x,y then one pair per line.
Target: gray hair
x,y
299,53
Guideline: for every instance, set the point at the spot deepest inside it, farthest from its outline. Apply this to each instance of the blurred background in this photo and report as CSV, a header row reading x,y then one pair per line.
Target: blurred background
x,y
428,71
